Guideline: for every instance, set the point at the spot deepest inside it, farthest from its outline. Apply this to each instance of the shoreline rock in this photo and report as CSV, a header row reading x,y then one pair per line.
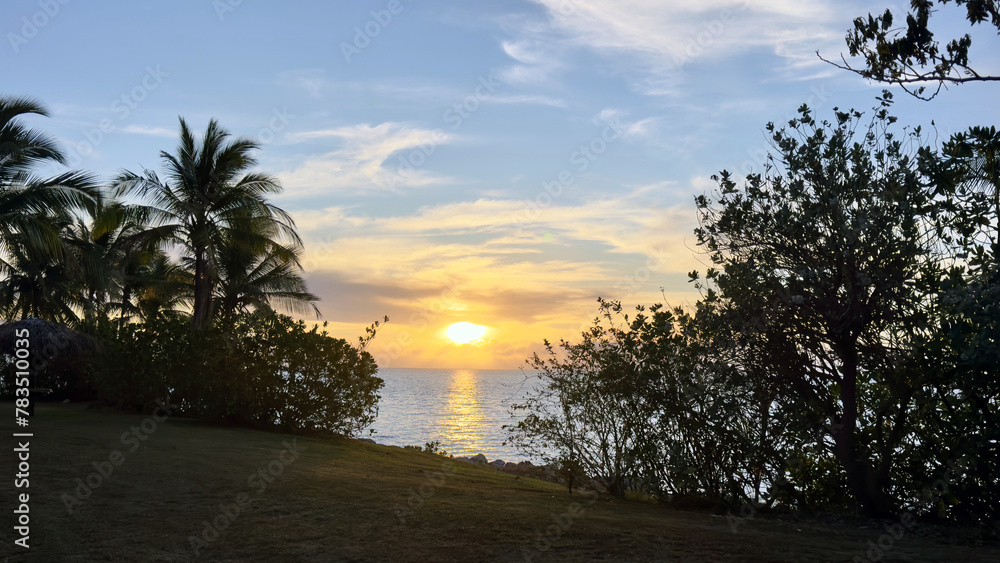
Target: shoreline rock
x,y
547,472
527,469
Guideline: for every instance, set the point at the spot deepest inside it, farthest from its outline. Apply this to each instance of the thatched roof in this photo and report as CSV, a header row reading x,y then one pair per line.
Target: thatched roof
x,y
47,339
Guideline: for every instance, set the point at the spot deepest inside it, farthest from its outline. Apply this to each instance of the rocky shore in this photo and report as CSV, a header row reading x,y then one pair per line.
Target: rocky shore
x,y
527,469
548,472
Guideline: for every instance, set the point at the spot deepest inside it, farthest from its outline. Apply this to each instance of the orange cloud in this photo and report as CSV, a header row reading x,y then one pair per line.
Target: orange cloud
x,y
527,280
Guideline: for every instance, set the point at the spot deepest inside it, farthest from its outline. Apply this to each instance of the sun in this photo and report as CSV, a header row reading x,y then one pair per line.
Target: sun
x,y
463,333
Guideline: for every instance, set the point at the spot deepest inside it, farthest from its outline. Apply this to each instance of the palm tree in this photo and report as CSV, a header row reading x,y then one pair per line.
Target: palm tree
x,y
109,252
29,203
260,280
160,286
90,264
208,201
38,284
83,278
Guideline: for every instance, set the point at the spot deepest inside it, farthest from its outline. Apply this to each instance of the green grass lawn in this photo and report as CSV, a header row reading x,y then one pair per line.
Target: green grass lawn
x,y
342,500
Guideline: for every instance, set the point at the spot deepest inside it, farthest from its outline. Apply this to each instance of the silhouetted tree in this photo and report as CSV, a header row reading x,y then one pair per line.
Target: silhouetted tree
x,y
33,212
210,200
828,258
910,55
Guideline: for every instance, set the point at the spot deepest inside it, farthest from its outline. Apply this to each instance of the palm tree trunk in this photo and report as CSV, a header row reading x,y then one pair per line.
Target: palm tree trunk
x,y
202,292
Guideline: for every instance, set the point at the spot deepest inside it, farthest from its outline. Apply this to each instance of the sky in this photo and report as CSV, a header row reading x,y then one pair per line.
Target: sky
x,y
503,163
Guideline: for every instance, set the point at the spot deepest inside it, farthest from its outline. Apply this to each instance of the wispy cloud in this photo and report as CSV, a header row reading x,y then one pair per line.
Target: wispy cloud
x,y
147,130
363,159
528,278
501,233
312,81
652,41
538,60
529,100
317,84
627,129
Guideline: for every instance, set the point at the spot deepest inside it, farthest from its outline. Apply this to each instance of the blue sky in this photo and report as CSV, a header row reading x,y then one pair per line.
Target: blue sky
x,y
497,162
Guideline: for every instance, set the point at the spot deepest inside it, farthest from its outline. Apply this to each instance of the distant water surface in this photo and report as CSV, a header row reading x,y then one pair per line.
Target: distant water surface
x,y
464,409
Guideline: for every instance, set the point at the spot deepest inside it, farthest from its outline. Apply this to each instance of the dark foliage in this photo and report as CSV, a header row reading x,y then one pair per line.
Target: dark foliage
x,y
262,370
907,53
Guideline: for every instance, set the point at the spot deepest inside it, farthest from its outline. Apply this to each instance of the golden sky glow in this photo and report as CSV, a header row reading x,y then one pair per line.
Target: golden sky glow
x,y
527,282
501,163
464,333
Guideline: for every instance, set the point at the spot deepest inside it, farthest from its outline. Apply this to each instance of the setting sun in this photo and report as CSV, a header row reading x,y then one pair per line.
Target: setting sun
x,y
463,333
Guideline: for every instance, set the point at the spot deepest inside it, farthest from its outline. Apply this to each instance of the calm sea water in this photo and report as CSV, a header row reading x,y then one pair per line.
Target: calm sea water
x,y
463,409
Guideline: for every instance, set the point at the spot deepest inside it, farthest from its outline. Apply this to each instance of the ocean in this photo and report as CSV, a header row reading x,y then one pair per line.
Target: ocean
x,y
464,409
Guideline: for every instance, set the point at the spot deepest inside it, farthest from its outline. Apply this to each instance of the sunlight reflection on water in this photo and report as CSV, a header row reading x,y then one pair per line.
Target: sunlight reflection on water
x,y
463,409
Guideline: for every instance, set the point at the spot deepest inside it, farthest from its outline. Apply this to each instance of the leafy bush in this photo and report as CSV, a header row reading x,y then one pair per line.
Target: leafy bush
x,y
642,407
60,375
433,447
144,363
844,353
263,370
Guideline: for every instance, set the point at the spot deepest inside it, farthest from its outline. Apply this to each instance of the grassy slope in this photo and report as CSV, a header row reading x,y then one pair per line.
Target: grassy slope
x,y
336,503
